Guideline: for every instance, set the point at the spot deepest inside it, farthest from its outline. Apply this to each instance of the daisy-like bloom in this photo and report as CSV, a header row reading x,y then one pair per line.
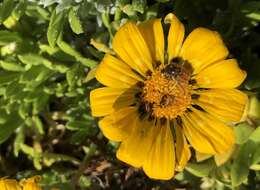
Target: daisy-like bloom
x,y
9,184
25,184
158,101
31,183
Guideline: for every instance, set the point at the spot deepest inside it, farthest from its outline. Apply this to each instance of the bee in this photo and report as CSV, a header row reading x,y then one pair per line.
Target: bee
x,y
166,100
178,68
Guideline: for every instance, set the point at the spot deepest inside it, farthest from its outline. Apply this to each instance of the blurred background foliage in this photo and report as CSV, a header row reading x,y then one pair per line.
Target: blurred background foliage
x,y
49,50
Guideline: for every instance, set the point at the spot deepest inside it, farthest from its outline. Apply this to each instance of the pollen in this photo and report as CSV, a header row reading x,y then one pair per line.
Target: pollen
x,y
167,92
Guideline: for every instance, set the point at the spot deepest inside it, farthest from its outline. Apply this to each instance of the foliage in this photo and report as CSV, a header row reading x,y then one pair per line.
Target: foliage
x,y
48,53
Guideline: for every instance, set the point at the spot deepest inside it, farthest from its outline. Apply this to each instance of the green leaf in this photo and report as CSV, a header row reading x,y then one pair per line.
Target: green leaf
x,y
7,37
34,59
38,124
72,75
50,158
254,107
122,3
11,66
57,53
139,5
71,51
27,150
242,162
7,128
40,103
75,22
6,9
255,136
19,139
243,132
91,75
7,77
256,157
34,77
201,169
55,27
24,110
255,16
129,10
76,125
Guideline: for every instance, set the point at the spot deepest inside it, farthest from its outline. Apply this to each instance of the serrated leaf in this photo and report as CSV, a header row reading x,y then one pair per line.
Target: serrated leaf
x,y
6,9
55,27
75,22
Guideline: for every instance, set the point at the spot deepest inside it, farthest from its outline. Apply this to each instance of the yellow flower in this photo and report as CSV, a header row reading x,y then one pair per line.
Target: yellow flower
x,y
156,102
9,184
31,183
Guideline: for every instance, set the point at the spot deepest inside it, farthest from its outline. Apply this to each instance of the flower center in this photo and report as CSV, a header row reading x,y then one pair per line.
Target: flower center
x,y
167,91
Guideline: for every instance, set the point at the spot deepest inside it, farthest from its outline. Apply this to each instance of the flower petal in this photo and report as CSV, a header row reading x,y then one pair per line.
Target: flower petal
x,y
135,148
130,45
175,36
104,101
9,184
220,159
114,73
223,74
160,161
206,134
203,47
31,183
152,33
226,104
118,125
182,149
